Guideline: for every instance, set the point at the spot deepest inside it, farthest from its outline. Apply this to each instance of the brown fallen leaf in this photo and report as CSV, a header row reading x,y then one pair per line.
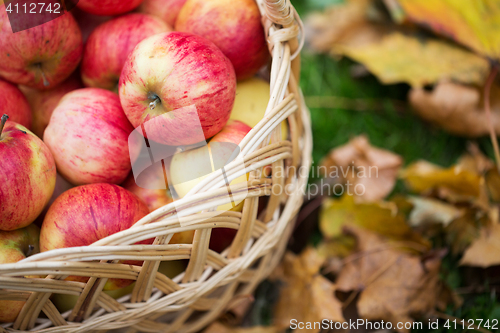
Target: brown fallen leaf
x,y
394,286
340,246
474,160
382,218
475,24
218,327
341,23
457,108
366,167
461,232
485,250
334,250
306,295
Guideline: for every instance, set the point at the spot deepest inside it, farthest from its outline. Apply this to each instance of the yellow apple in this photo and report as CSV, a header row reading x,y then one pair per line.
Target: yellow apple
x,y
252,97
192,166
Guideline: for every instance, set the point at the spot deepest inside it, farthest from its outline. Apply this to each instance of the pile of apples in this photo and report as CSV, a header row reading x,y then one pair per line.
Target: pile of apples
x,y
73,89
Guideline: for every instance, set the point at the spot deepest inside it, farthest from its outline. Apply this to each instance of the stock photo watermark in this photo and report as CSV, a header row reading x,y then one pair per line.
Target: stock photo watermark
x,y
26,14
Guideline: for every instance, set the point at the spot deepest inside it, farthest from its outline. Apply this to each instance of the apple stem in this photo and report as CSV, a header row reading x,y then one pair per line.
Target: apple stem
x,y
31,248
2,123
153,104
44,78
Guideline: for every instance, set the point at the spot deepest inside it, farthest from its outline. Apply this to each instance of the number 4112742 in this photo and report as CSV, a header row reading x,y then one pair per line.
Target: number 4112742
x,y
34,8
471,323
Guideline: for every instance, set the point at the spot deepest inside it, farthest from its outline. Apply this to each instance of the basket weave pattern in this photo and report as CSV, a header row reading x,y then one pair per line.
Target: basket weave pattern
x,y
211,281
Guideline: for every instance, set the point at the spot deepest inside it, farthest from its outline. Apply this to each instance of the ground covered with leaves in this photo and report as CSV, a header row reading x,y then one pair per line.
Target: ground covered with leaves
x,y
396,91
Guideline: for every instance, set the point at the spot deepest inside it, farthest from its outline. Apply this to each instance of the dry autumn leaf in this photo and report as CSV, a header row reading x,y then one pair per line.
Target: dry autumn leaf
x,y
394,285
418,61
461,232
457,108
394,57
372,169
341,23
340,246
306,295
485,250
493,184
475,24
474,160
422,176
382,218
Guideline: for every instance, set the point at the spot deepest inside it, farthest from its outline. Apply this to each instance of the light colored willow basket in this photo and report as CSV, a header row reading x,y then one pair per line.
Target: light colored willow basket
x,y
212,281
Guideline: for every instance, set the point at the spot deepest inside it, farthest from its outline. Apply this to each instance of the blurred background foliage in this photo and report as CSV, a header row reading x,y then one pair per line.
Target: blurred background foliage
x,y
344,105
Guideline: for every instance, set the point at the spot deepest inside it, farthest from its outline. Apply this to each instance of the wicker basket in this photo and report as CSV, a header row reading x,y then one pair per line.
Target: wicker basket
x,y
212,281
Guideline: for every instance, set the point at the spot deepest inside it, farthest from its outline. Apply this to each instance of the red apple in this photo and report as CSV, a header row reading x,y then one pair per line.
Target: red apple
x,y
14,246
234,26
167,10
15,104
40,57
108,7
43,102
172,71
109,45
233,132
85,214
88,137
88,22
151,192
27,174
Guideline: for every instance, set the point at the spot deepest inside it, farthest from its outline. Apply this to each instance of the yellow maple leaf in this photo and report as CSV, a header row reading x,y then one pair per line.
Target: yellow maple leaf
x,y
405,58
475,24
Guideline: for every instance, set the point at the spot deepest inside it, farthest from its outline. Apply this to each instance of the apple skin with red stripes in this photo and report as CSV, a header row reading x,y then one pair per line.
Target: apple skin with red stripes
x,y
28,176
43,102
108,7
14,103
167,10
109,45
180,86
88,137
85,214
40,57
234,26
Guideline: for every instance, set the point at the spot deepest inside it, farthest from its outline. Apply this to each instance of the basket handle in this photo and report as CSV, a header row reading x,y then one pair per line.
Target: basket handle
x,y
280,12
